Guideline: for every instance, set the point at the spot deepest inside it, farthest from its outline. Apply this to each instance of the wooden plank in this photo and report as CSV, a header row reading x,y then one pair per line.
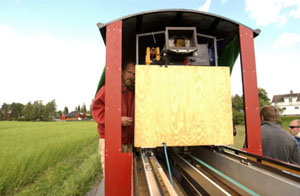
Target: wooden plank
x,y
182,106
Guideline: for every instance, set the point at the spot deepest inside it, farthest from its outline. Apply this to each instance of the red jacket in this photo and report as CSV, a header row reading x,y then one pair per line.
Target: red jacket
x,y
127,109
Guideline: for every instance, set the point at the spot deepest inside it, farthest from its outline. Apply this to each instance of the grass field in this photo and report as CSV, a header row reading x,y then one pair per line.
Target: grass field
x,y
48,158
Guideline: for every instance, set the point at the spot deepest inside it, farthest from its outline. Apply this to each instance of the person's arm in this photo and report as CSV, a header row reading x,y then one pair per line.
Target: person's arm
x,y
98,107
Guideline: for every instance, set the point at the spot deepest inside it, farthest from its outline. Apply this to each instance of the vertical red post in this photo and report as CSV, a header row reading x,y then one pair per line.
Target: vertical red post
x,y
252,119
118,165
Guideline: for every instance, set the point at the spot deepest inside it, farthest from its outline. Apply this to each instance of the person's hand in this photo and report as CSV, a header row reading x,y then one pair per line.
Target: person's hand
x,y
126,121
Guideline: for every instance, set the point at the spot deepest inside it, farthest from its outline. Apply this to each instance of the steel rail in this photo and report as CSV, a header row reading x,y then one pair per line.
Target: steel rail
x,y
157,180
236,186
150,178
259,179
209,186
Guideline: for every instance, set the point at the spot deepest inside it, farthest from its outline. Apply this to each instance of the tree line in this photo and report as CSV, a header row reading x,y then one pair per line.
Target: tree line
x,y
35,111
238,105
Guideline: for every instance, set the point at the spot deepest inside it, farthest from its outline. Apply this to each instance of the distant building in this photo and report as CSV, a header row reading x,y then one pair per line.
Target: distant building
x,y
73,116
289,103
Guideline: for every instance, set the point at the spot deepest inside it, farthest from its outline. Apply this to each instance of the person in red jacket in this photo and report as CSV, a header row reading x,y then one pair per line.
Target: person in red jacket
x,y
127,112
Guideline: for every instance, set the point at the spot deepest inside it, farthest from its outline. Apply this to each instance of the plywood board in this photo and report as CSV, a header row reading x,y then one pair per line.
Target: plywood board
x,y
182,106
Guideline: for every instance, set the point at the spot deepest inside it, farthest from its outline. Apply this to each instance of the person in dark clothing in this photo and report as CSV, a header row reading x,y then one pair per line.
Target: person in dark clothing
x,y
276,142
294,129
234,129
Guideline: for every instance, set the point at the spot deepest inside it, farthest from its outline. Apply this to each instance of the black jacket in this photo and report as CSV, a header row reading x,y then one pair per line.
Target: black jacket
x,y
279,144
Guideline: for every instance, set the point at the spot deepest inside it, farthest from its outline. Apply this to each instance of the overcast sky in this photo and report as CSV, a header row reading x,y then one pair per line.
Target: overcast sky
x,y
53,49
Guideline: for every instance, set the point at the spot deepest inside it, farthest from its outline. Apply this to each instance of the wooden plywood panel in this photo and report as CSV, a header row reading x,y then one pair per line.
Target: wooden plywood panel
x,y
182,106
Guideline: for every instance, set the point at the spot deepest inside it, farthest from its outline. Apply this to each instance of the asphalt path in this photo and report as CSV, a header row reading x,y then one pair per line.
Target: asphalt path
x,y
97,190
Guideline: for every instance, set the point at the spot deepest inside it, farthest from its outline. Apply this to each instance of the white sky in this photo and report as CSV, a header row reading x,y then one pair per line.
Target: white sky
x,y
47,68
277,60
39,63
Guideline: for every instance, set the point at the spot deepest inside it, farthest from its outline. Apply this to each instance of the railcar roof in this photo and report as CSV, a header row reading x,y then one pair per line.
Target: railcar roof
x,y
157,20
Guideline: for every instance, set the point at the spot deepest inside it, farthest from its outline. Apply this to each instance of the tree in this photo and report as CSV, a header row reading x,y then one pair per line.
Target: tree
x,y
77,108
16,111
1,115
49,111
27,111
37,111
83,109
263,98
238,103
66,110
6,111
239,117
238,109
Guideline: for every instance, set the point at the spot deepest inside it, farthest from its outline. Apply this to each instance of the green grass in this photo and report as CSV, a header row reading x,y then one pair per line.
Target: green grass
x,y
48,158
285,120
240,137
